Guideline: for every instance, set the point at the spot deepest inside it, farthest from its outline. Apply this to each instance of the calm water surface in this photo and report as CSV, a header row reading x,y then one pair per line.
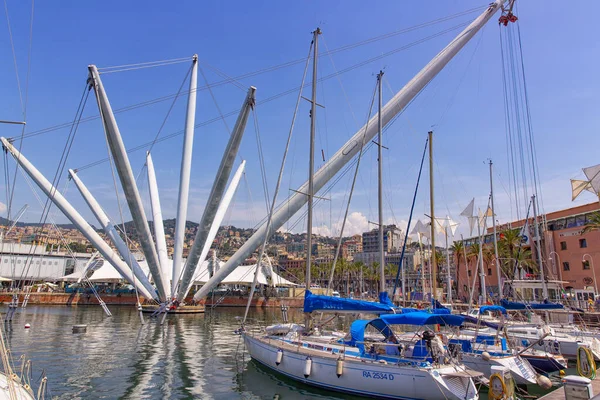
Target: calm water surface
x,y
189,357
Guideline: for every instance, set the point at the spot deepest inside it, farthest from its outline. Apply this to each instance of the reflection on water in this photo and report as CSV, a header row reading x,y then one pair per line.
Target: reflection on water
x,y
189,357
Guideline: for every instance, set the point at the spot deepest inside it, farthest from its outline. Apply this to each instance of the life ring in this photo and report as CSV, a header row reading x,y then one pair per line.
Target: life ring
x,y
497,387
586,366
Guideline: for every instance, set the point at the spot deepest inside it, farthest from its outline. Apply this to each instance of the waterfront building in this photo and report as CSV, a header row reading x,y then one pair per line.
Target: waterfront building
x,y
392,242
20,261
568,254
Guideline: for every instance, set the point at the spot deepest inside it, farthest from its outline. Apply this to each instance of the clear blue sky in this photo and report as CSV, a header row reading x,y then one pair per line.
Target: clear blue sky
x,y
464,103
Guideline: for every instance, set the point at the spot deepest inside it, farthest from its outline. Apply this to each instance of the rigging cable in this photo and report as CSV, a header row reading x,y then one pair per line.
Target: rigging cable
x,y
278,185
269,99
359,157
412,207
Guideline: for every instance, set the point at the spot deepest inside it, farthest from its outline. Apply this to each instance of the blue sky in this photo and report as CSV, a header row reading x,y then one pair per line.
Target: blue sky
x,y
464,104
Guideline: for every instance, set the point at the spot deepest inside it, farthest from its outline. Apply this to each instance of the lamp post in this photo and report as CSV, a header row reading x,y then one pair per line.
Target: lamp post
x,y
559,266
593,273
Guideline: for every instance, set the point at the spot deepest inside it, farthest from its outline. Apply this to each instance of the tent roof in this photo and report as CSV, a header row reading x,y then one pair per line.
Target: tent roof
x,y
243,274
74,277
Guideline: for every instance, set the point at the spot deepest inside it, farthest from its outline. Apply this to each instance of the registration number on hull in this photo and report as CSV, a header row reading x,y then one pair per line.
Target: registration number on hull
x,y
378,375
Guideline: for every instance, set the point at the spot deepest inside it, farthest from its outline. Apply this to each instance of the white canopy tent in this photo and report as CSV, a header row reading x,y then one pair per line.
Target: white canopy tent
x,y
243,275
74,277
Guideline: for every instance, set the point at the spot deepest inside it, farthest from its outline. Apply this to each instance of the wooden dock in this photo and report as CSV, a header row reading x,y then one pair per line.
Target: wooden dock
x,y
559,394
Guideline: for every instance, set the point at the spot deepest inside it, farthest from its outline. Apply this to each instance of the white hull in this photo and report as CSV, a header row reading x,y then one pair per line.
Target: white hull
x,y
522,372
20,392
370,378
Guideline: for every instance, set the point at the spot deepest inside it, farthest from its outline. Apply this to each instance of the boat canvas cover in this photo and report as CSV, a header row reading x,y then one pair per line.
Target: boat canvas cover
x,y
382,324
492,308
316,302
546,305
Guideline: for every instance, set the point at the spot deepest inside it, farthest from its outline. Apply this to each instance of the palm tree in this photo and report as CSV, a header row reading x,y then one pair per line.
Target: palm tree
x,y
593,223
458,252
439,260
473,257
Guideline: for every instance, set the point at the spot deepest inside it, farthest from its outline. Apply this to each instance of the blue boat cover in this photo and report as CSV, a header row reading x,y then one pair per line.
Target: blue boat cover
x,y
316,302
546,305
382,324
492,308
385,299
423,318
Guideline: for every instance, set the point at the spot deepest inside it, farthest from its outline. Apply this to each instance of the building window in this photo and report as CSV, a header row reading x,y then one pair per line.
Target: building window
x,y
489,271
563,245
566,266
582,243
585,264
469,273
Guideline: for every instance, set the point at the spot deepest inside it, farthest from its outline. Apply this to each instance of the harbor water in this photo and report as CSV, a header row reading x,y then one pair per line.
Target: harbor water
x,y
189,357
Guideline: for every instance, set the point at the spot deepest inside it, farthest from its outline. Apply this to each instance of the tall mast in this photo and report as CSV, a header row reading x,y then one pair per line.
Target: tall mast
x,y
311,158
380,190
495,236
184,178
538,246
311,168
347,152
481,271
431,205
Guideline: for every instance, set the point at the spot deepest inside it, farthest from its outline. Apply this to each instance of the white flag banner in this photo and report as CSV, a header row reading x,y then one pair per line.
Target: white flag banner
x,y
440,225
578,186
593,175
469,213
451,225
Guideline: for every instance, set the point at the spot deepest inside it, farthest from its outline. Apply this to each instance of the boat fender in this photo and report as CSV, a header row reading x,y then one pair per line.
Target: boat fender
x,y
486,356
279,357
307,367
543,382
339,367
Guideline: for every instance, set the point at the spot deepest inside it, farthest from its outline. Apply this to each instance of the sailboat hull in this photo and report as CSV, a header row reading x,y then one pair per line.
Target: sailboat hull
x,y
522,372
373,379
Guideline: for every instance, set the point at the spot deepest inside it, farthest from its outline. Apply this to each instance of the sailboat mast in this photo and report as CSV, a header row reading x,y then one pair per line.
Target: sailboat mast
x,y
311,162
480,232
431,205
495,236
538,246
347,152
380,190
448,278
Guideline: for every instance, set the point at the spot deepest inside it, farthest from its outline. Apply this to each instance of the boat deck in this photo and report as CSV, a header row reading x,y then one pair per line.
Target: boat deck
x,y
559,394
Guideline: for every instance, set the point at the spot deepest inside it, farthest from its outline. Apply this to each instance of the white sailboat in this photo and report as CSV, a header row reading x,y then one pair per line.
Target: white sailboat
x,y
421,369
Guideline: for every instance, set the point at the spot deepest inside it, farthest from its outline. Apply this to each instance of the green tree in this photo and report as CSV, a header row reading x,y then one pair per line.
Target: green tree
x,y
593,223
458,252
